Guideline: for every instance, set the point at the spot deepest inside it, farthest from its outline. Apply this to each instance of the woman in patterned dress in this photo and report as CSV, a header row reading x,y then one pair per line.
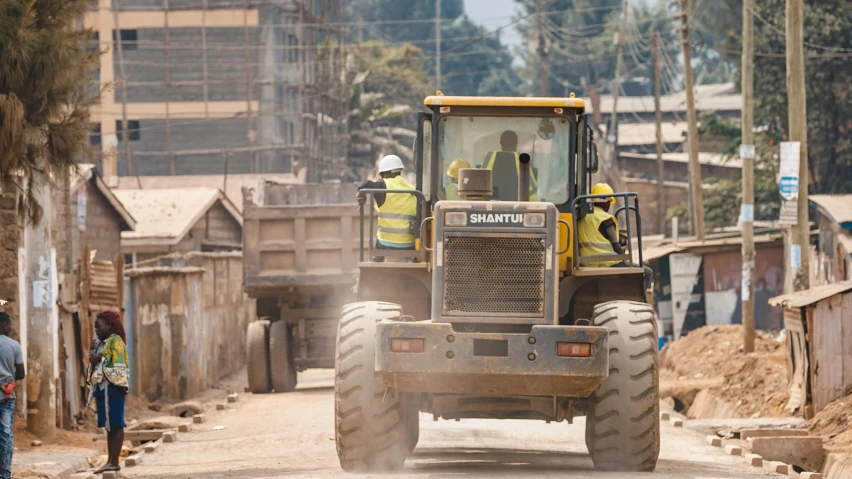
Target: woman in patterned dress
x,y
109,372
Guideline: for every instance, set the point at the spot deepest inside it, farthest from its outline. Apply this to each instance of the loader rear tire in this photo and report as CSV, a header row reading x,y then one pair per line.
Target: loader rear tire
x,y
282,369
371,430
623,417
257,360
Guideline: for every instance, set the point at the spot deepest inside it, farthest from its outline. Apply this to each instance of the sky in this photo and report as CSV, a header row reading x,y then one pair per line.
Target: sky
x,y
492,14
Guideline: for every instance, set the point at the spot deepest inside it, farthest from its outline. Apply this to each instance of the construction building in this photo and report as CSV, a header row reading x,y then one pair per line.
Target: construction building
x,y
219,86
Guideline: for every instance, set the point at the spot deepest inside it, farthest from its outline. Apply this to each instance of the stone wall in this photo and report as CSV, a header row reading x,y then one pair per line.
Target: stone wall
x,y
11,238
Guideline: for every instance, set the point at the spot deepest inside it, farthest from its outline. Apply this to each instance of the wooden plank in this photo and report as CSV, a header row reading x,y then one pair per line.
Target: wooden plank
x,y
846,342
286,245
150,435
299,237
828,384
72,363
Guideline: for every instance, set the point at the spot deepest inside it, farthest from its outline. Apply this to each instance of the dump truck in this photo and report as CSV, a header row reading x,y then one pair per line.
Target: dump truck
x,y
300,261
497,314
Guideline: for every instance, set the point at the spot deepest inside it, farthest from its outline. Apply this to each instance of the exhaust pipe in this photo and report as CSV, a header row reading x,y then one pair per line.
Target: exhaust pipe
x,y
524,176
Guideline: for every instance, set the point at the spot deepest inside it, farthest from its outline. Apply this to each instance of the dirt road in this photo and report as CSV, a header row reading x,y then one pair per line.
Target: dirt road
x,y
293,435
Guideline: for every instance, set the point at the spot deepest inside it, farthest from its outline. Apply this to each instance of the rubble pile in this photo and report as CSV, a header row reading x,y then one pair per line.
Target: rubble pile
x,y
711,359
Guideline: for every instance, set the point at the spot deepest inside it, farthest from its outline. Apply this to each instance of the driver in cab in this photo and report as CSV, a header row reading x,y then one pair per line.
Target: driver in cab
x,y
506,165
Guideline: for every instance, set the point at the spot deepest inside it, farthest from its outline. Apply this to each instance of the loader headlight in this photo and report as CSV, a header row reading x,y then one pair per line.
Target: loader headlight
x,y
455,218
534,220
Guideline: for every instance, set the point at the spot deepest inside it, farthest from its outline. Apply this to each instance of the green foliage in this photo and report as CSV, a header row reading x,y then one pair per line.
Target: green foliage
x,y
44,68
828,71
580,41
722,197
472,57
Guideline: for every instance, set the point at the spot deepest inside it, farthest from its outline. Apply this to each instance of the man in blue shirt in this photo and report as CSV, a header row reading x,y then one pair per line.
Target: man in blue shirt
x,y
11,369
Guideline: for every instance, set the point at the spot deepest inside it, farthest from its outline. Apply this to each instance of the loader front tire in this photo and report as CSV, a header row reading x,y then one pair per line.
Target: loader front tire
x,y
371,431
623,416
257,352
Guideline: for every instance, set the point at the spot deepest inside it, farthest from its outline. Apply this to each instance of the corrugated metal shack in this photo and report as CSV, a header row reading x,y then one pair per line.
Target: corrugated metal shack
x,y
187,324
699,283
819,345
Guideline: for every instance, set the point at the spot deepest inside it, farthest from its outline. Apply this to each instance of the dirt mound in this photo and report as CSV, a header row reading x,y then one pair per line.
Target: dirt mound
x,y
834,424
753,385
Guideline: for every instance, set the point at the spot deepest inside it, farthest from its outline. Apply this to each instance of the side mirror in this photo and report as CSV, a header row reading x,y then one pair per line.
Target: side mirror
x,y
593,158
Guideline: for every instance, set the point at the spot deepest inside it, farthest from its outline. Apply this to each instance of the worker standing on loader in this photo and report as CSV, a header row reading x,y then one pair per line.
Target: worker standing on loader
x,y
598,230
452,190
397,211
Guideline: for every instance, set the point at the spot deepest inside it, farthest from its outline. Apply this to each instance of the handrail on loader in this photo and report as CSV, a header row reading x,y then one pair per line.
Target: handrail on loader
x,y
421,207
582,203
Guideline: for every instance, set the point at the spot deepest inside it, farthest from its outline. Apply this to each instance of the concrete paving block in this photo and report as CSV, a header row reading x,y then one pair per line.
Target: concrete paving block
x,y
776,467
151,447
221,407
110,475
677,422
36,443
755,460
198,418
185,427
714,441
233,397
734,450
773,432
83,475
132,461
665,416
170,436
805,452
811,475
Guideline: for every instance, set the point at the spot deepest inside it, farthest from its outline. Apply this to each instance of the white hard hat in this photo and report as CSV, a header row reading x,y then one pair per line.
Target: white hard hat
x,y
390,163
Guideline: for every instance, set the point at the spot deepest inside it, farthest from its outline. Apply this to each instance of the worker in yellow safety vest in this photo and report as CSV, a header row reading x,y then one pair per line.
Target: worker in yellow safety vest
x,y
506,167
452,190
397,211
597,231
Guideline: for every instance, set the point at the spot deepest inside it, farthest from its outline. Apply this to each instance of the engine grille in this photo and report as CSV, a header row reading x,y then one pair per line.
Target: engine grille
x,y
494,275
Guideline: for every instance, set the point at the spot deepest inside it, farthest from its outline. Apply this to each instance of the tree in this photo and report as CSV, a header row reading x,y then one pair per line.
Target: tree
x,y
386,85
828,70
44,94
471,54
722,197
580,38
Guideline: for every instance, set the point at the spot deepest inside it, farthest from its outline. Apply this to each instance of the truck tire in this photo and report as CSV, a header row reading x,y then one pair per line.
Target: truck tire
x,y
257,352
282,369
623,414
371,431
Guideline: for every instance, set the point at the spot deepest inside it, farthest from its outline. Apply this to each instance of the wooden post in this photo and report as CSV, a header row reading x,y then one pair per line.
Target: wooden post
x,y
747,155
438,43
696,194
541,50
797,119
616,89
166,54
252,134
43,321
661,180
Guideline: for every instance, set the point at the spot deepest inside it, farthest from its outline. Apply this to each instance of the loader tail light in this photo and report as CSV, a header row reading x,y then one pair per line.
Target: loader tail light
x,y
401,345
573,350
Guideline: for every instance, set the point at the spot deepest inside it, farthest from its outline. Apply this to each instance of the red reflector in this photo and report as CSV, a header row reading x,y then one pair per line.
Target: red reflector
x,y
574,350
400,345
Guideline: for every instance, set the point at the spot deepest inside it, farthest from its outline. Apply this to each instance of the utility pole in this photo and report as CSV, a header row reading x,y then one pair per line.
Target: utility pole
x,y
616,86
747,157
111,167
661,181
696,195
797,119
543,70
438,43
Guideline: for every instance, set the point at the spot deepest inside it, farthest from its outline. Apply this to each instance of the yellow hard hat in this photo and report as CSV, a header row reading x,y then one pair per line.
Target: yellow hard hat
x,y
455,166
603,189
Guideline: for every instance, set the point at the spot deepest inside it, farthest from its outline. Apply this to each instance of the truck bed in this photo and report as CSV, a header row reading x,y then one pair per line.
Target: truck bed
x,y
299,236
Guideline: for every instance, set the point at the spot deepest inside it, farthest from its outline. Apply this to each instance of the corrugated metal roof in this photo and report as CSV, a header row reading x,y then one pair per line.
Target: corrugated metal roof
x,y
86,172
233,186
704,158
810,296
169,214
837,207
717,97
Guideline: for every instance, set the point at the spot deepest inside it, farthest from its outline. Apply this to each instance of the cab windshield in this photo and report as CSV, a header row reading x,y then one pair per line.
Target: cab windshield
x,y
496,143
